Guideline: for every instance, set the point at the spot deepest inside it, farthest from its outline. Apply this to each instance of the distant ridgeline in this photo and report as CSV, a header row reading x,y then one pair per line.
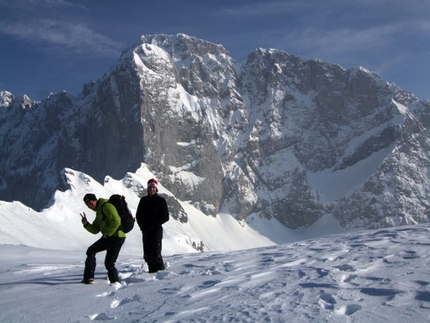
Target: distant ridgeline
x,y
276,135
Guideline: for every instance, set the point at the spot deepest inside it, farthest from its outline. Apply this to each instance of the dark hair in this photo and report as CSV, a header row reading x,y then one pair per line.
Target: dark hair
x,y
89,197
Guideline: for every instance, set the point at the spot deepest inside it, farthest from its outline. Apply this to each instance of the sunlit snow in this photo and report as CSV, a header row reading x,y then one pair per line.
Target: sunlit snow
x,y
253,271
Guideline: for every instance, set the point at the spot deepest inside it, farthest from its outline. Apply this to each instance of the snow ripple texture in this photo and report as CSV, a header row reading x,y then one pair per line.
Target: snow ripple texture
x,y
369,276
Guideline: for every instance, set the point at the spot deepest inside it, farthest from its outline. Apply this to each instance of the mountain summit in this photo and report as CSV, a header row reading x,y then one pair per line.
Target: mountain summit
x,y
276,135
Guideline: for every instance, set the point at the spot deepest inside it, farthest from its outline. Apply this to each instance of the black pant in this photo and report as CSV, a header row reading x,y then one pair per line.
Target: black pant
x,y
112,245
152,248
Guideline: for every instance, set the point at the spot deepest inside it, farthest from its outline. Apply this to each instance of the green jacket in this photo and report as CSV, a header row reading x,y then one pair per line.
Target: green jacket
x,y
106,221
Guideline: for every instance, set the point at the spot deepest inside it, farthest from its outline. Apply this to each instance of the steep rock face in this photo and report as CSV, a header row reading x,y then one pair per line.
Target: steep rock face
x,y
31,147
180,93
276,135
109,132
397,193
308,117
99,132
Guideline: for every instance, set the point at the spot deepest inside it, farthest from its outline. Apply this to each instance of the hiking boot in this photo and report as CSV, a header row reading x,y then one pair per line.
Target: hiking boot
x,y
88,281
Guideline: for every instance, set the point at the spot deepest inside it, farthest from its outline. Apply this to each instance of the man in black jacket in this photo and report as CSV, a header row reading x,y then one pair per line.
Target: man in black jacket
x,y
151,213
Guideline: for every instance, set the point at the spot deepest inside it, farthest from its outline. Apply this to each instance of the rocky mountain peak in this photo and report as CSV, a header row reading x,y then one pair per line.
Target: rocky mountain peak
x,y
277,135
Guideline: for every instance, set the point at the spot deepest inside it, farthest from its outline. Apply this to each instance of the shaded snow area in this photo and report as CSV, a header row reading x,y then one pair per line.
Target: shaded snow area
x,y
367,276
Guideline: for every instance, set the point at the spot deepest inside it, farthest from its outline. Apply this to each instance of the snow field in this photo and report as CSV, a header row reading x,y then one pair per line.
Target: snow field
x,y
369,276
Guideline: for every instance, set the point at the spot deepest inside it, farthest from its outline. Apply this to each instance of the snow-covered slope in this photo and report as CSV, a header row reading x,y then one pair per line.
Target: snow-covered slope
x,y
250,271
59,226
370,276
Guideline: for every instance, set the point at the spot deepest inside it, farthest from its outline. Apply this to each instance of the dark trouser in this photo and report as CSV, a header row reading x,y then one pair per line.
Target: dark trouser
x,y
152,249
112,245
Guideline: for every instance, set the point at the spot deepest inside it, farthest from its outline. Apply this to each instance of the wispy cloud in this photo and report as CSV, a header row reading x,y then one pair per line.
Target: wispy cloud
x,y
264,8
342,41
347,41
46,33
327,8
366,30
29,4
77,38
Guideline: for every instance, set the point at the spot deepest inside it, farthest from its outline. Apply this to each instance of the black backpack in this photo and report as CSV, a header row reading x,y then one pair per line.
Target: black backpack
x,y
127,219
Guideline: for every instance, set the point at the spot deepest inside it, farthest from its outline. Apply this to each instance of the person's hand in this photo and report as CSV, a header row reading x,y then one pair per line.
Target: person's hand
x,y
84,218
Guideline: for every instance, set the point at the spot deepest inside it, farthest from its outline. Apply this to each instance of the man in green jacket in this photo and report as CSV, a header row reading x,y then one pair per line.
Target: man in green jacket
x,y
107,221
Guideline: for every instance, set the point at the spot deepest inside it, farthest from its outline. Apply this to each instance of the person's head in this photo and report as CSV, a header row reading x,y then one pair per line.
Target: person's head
x,y
152,186
90,200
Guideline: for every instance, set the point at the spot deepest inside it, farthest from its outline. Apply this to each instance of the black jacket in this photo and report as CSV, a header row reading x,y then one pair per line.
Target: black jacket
x,y
151,212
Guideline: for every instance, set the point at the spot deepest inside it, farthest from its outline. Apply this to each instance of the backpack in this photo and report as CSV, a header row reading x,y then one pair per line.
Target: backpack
x,y
127,219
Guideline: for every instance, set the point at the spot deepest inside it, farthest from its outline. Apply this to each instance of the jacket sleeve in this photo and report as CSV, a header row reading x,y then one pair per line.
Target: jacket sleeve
x,y
113,219
93,228
164,212
139,214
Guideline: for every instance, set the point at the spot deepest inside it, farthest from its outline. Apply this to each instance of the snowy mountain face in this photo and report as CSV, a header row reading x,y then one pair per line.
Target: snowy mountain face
x,y
276,135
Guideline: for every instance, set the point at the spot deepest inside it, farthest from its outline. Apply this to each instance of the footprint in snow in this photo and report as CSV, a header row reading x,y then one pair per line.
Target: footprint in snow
x,y
210,283
345,268
349,309
118,302
422,282
169,291
326,301
115,303
101,317
350,278
409,255
105,294
423,296
380,292
322,272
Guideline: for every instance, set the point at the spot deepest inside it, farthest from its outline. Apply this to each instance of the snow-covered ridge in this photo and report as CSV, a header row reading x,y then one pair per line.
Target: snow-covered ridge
x,y
62,228
5,98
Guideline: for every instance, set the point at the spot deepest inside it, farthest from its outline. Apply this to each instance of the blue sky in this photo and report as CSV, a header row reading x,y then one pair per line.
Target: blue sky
x,y
53,45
